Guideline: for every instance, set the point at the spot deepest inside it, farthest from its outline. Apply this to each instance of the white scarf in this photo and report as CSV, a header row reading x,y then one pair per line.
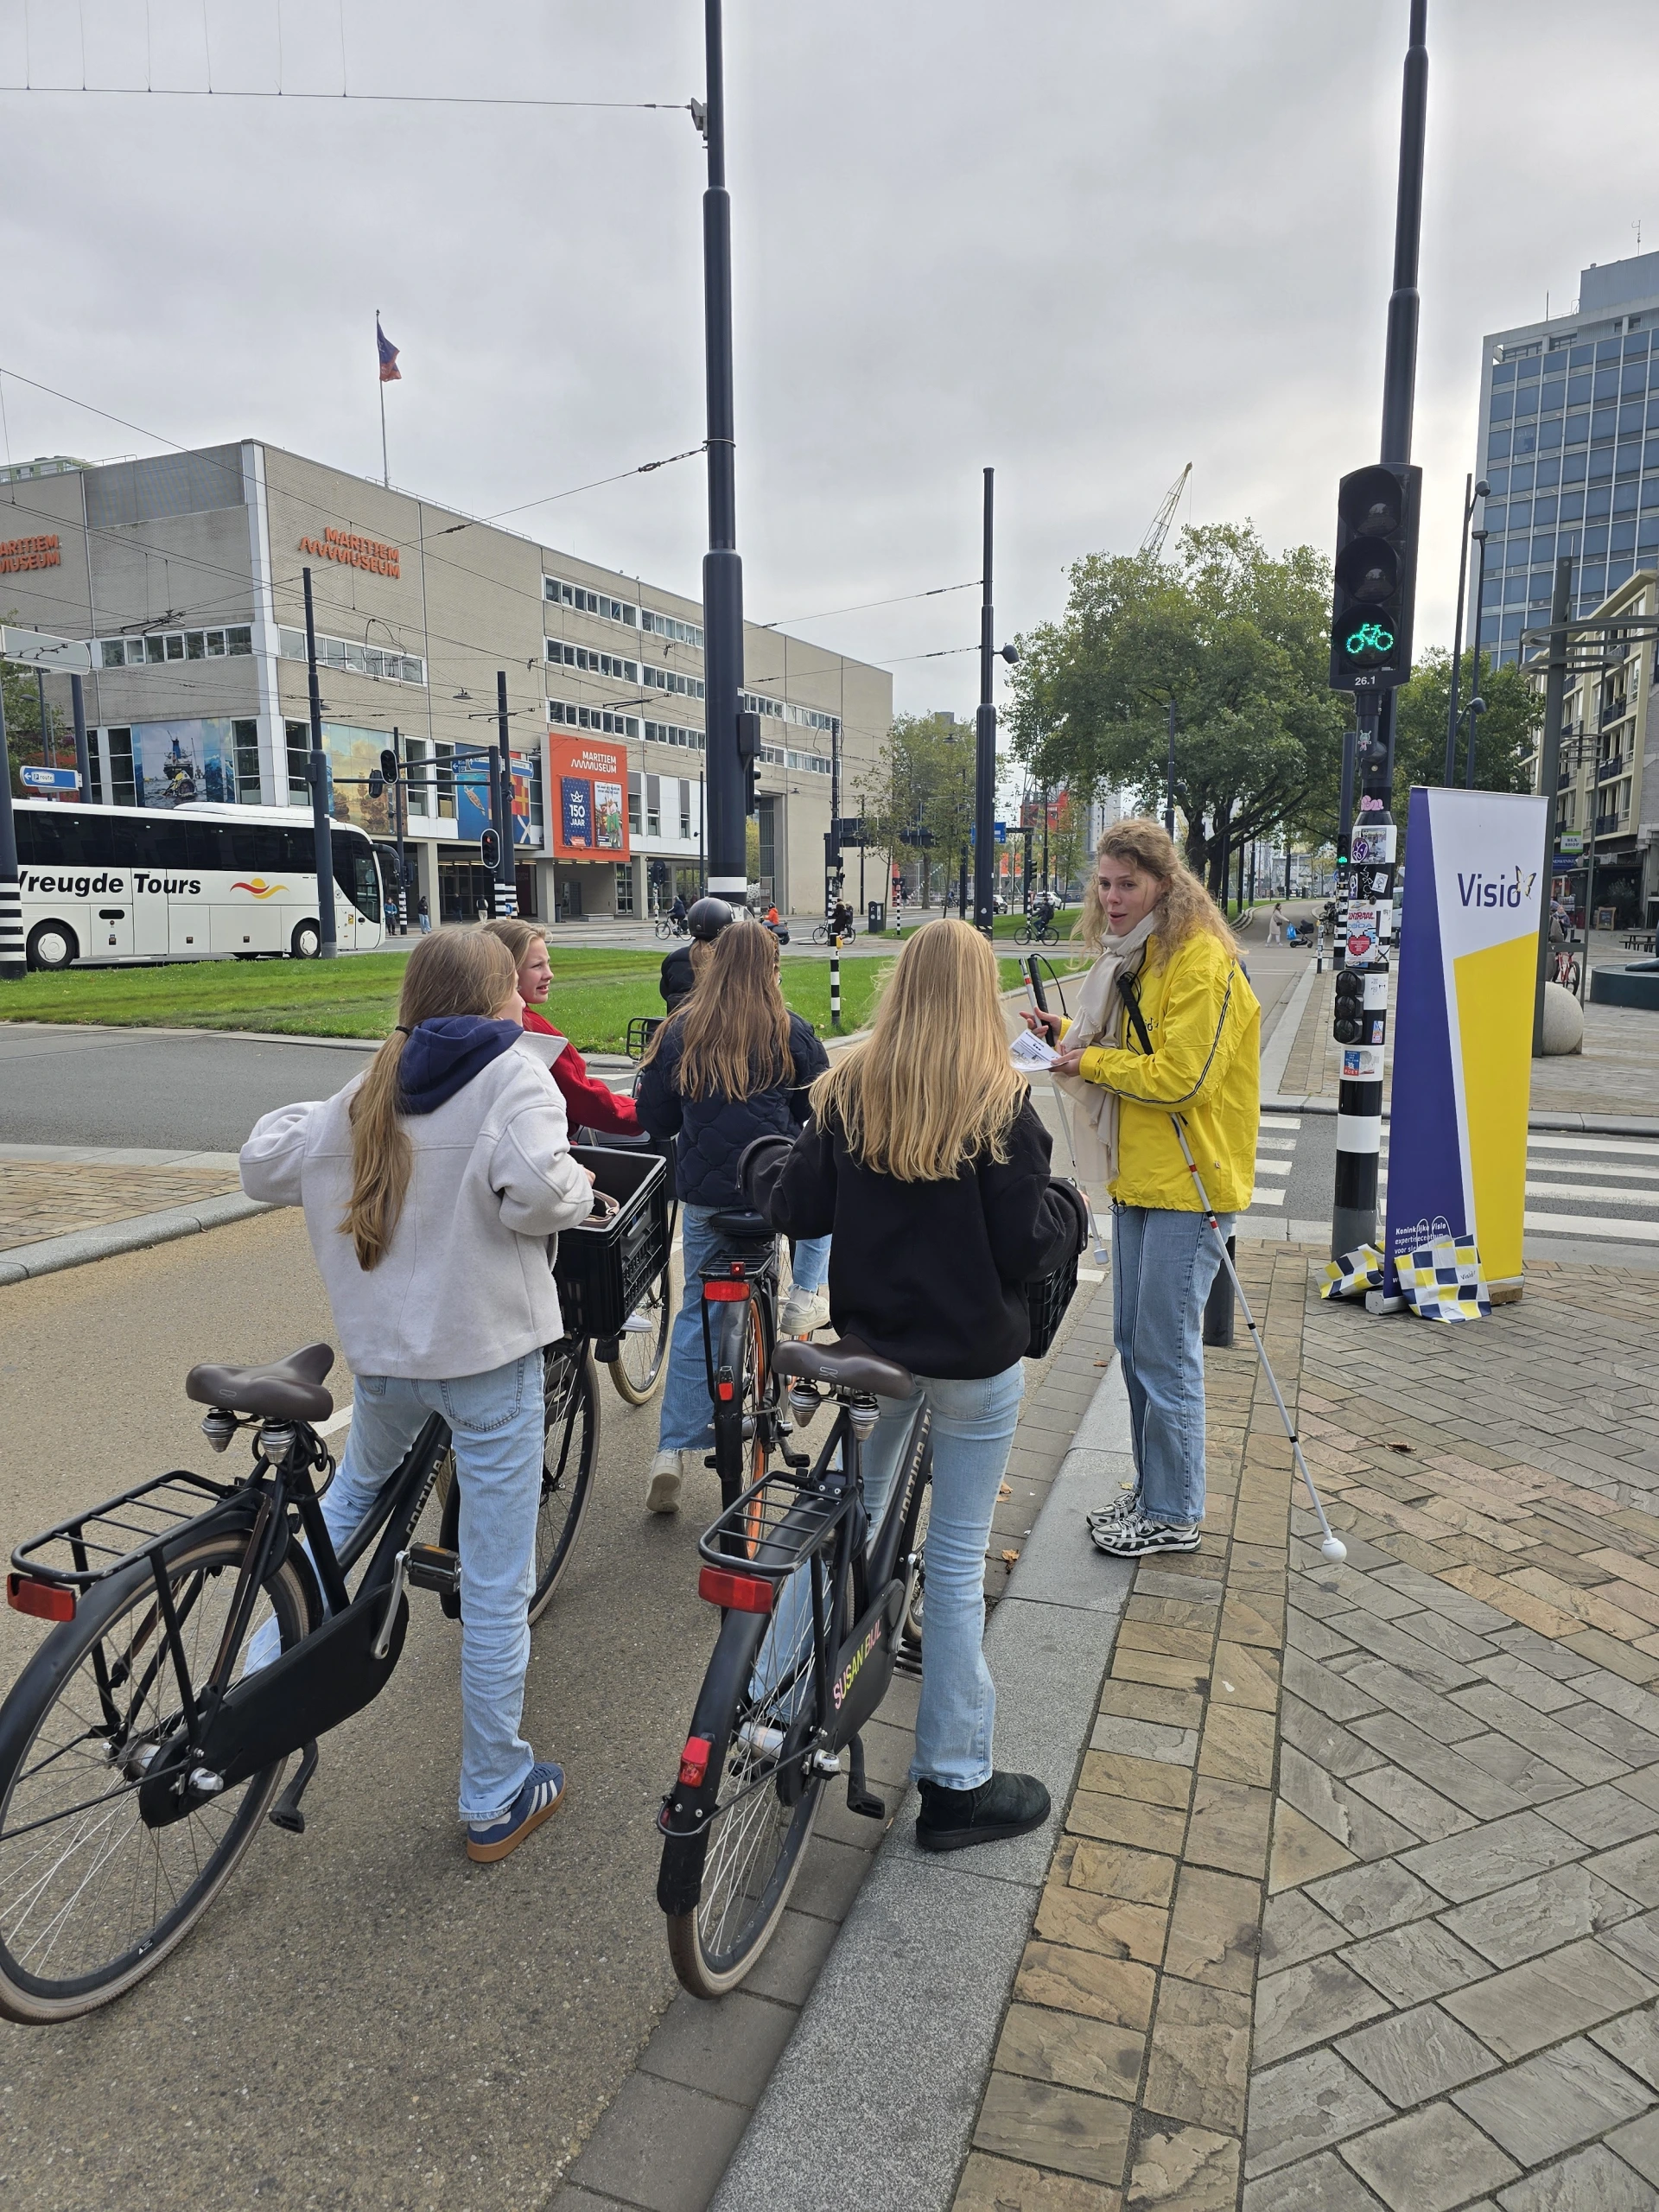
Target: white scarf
x,y
1099,1021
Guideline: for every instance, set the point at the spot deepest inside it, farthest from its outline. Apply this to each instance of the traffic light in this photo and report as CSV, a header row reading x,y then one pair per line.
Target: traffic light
x,y
376,782
1375,578
749,751
489,849
1349,1024
389,765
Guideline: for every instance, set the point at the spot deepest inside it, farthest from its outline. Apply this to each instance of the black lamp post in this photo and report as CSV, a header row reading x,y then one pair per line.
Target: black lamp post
x,y
1476,705
1471,492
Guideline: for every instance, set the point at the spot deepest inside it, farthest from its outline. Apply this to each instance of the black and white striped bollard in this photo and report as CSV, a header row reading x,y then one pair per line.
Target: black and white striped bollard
x,y
835,983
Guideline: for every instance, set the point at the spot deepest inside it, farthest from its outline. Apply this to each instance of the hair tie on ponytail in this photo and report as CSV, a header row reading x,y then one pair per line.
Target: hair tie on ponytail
x,y
403,1029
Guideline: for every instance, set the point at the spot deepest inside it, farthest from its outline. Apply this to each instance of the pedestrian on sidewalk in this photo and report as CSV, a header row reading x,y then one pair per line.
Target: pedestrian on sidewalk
x,y
425,913
732,1065
929,1163
431,1185
1160,943
1276,923
588,1104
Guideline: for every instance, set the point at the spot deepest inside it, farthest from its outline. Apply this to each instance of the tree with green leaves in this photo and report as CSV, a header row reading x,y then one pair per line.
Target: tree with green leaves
x,y
1239,640
916,796
1507,733
20,694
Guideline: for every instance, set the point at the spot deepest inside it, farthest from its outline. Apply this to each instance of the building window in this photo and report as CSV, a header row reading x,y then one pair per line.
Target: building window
x,y
590,602
246,738
653,821
685,816
633,814
668,625
173,645
624,888
298,739
672,733
389,665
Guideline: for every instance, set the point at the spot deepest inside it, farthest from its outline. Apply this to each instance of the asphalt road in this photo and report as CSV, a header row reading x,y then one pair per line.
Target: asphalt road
x,y
365,2019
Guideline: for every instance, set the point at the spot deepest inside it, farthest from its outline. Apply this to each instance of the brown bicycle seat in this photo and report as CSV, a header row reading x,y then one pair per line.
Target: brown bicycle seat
x,y
289,1389
845,1365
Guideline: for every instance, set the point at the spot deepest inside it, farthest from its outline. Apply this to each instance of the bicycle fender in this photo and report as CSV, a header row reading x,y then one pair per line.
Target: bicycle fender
x,y
864,1666
686,1812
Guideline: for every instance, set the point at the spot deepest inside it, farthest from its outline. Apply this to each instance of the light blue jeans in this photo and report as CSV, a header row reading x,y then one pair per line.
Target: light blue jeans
x,y
686,1418
1163,1264
973,1428
496,1421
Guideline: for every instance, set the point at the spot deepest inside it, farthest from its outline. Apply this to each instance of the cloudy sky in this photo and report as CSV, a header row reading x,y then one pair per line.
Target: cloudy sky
x,y
1082,240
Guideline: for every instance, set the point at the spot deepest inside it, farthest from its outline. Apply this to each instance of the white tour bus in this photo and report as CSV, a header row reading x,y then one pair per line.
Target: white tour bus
x,y
108,883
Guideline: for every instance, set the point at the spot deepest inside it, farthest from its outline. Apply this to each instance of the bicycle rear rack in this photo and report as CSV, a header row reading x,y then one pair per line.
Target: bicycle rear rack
x,y
106,1538
776,1523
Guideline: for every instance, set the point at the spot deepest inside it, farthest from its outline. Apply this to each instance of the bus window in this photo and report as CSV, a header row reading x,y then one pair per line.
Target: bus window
x,y
63,836
255,850
209,847
357,875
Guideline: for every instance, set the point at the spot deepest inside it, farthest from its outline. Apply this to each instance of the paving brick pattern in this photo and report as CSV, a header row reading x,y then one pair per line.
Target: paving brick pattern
x,y
40,1199
1369,1855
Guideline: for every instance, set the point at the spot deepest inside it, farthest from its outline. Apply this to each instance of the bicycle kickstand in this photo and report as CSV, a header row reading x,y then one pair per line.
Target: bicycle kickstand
x,y
285,1813
860,1797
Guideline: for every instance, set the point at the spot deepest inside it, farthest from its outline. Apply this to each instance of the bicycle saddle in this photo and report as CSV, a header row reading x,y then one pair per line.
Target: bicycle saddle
x,y
744,1227
845,1365
289,1389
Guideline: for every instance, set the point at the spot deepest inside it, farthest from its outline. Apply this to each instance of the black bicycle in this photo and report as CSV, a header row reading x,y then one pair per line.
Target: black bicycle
x,y
815,1610
741,1295
824,934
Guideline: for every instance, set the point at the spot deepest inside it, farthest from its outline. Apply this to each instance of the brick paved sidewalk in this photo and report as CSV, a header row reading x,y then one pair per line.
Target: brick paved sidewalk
x,y
42,1198
1384,1934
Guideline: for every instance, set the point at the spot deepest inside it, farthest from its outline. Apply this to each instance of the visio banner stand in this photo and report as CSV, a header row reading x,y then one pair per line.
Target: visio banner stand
x,y
1463,1029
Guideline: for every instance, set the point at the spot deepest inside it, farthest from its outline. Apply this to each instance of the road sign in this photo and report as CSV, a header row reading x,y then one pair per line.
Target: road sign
x,y
49,779
41,650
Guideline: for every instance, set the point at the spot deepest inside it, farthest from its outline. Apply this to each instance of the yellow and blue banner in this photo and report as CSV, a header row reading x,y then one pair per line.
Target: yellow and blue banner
x,y
1462,1027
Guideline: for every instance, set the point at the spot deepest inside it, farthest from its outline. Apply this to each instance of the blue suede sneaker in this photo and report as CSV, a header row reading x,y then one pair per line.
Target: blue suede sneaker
x,y
544,1792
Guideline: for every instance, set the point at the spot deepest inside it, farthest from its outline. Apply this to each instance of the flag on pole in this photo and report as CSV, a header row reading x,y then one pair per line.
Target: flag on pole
x,y
390,371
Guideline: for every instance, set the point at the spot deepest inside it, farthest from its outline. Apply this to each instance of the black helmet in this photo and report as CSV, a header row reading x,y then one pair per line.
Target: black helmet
x,y
706,918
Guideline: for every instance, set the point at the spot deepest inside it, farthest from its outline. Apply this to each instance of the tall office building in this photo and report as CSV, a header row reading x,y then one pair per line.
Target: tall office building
x,y
1569,443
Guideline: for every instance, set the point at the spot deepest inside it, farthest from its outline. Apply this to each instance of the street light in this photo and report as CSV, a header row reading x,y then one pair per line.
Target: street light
x,y
1471,492
1479,537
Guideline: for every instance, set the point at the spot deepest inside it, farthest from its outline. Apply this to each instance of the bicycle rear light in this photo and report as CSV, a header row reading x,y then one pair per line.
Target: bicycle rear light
x,y
694,1761
742,1593
720,1289
46,1601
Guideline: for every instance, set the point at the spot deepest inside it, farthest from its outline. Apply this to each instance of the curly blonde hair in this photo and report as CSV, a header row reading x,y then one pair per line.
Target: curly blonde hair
x,y
1186,904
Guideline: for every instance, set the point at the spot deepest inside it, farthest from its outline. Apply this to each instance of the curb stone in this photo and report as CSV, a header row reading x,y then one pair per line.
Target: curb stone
x,y
24,1262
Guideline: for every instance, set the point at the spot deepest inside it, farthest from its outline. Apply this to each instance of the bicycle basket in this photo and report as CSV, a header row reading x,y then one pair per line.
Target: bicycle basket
x,y
642,1027
604,1267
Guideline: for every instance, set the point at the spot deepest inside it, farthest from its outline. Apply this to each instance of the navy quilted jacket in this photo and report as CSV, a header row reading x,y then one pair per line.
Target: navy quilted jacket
x,y
713,1132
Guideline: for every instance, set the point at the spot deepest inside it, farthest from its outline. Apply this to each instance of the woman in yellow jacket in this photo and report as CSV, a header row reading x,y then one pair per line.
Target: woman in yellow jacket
x,y
1160,939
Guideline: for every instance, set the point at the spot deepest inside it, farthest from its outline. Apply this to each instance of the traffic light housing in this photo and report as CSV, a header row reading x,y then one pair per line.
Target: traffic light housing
x,y
388,765
749,751
1376,579
1348,1027
489,849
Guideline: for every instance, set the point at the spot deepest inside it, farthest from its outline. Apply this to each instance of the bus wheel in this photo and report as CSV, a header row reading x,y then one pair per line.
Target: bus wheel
x,y
306,942
53,945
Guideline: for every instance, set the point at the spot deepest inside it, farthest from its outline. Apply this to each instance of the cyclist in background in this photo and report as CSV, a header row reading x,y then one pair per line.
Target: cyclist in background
x,y
431,1184
705,919
677,911
731,1065
840,921
928,1162
588,1104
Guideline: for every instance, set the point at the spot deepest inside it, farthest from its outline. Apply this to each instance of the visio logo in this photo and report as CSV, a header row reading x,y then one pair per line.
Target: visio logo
x,y
1478,890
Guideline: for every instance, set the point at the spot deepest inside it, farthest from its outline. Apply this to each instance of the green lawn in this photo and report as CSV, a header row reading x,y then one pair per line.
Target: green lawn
x,y
595,993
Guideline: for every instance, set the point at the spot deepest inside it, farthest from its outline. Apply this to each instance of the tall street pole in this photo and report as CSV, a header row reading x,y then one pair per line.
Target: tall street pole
x,y
723,570
1169,777
506,901
398,815
83,756
322,836
1480,600
14,962
985,745
1457,633
1549,776
1359,1101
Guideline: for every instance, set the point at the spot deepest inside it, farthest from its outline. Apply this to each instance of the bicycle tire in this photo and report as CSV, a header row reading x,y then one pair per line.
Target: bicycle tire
x,y
755,1853
740,1460
67,1901
637,1368
571,1385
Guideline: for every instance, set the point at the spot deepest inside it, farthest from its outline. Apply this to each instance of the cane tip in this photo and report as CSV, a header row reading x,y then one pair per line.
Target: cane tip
x,y
1333,1548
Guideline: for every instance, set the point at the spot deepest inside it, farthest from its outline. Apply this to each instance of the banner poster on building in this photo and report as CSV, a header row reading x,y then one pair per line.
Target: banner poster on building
x,y
180,764
592,821
1463,1026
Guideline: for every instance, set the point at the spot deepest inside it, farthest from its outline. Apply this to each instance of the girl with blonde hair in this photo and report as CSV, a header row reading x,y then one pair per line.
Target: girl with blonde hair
x,y
588,1104
927,1160
431,1185
1163,948
732,1065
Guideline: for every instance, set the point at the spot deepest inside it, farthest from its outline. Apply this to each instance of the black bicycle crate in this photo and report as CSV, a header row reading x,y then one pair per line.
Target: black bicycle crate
x,y
1047,1300
603,1268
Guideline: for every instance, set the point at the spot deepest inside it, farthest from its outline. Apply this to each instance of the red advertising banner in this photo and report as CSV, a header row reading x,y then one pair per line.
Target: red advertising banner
x,y
587,810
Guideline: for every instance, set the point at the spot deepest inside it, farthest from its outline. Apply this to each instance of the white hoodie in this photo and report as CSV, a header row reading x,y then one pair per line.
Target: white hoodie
x,y
467,1282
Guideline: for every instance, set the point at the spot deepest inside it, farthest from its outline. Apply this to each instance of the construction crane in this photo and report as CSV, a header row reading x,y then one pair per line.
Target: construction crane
x,y
1152,543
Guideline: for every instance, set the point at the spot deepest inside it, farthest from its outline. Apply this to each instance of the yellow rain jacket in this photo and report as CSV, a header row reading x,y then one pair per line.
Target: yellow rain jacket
x,y
1205,1026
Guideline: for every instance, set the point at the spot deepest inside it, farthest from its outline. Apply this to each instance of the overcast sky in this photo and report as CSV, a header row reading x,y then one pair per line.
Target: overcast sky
x,y
1081,240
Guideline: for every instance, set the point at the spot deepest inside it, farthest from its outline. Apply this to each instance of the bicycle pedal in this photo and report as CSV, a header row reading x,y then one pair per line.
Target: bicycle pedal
x,y
429,1567
865,1802
285,1813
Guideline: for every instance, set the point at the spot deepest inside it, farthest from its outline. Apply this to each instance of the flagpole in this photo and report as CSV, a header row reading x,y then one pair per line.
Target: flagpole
x,y
385,465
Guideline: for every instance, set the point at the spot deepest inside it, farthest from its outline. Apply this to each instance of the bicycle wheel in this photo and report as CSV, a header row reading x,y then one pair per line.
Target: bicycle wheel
x,y
742,1862
638,1367
91,1898
570,1454
742,1423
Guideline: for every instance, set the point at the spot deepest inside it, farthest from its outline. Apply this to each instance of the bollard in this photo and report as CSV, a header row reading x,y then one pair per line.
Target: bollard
x,y
834,984
1218,1307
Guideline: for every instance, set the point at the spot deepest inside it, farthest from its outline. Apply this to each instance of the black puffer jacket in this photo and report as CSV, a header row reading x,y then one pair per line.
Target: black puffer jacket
x,y
677,979
714,1132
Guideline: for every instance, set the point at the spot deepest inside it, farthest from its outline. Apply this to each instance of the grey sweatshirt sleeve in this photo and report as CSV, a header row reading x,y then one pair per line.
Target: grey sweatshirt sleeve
x,y
542,1188
272,1161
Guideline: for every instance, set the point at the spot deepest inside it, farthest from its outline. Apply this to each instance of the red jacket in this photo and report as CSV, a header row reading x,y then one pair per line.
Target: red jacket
x,y
588,1104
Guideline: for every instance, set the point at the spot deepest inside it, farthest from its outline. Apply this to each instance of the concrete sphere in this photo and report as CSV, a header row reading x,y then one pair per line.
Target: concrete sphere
x,y
1563,1020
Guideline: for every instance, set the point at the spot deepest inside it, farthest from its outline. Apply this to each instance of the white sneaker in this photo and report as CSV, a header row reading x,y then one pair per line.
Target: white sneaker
x,y
663,1491
803,1310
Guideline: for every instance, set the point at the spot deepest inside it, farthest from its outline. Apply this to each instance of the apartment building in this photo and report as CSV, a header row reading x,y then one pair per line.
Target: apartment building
x,y
1609,789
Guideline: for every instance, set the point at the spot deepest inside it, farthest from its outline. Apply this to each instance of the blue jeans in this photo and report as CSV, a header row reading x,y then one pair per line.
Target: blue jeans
x,y
973,1428
1163,1264
686,1422
496,1421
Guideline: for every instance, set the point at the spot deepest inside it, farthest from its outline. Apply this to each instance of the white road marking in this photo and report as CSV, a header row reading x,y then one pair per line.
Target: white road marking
x,y
1610,1193
1592,1225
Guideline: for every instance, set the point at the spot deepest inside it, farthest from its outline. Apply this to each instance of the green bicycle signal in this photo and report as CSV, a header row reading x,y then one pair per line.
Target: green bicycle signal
x,y
1370,637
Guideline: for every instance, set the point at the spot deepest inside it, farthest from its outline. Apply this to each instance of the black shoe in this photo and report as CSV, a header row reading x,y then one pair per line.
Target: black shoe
x,y
1008,1804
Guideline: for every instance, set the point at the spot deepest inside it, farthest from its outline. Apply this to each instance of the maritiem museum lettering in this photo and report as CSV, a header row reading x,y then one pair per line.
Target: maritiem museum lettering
x,y
29,553
342,545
